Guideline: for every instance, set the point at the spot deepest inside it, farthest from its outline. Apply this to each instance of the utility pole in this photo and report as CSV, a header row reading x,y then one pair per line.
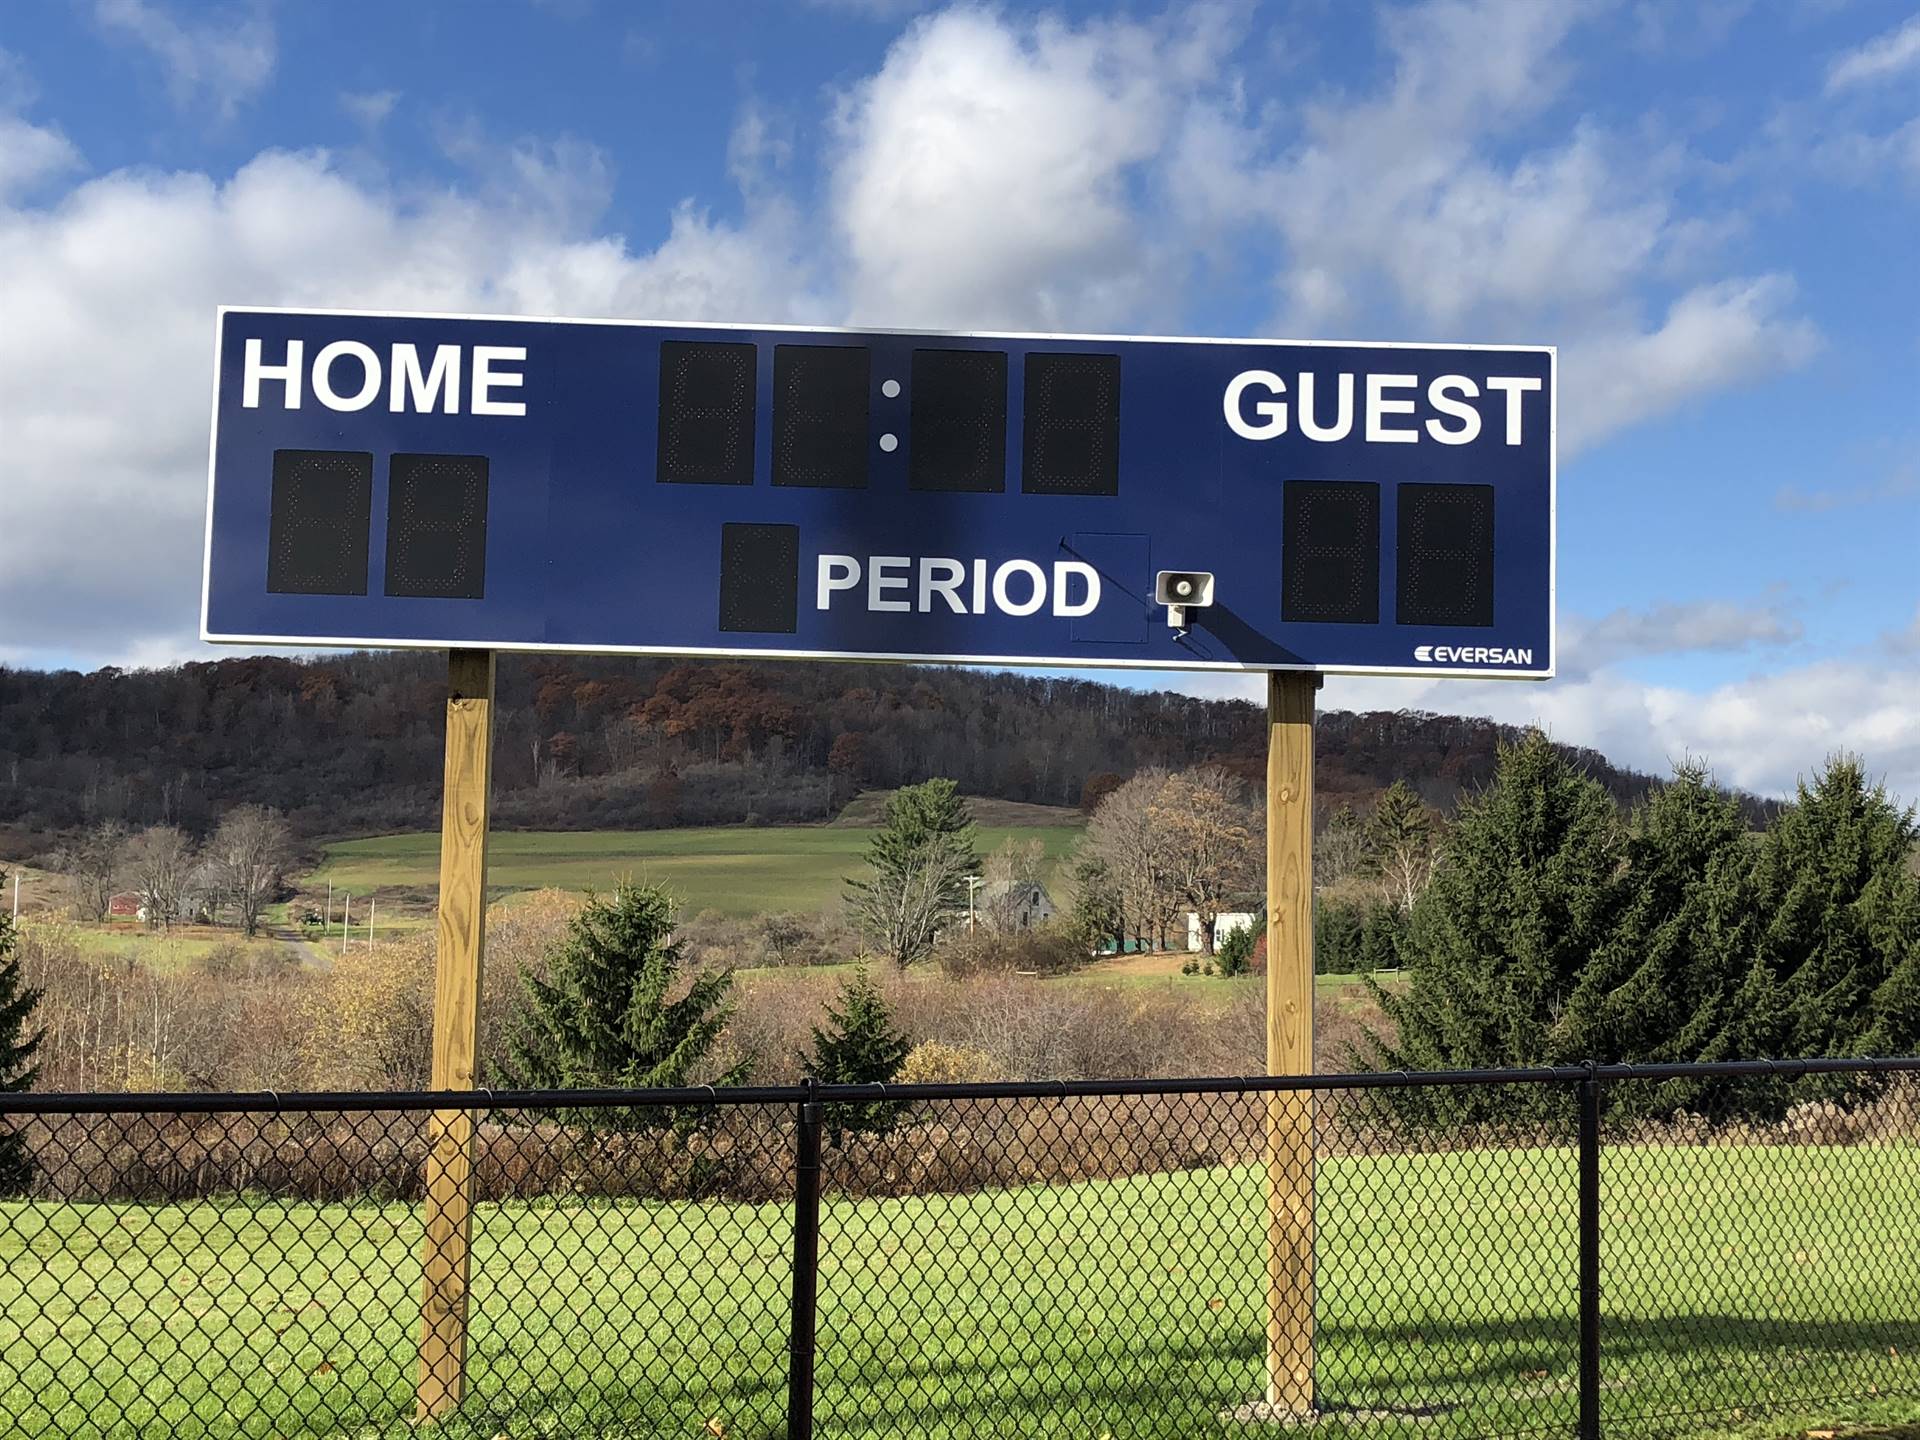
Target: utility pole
x,y
346,919
370,905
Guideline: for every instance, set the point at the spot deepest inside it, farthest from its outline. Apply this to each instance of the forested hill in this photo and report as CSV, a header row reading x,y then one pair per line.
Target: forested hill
x,y
351,744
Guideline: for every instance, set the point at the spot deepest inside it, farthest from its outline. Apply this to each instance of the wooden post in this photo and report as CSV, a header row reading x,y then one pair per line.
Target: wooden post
x,y
456,1032
1290,1158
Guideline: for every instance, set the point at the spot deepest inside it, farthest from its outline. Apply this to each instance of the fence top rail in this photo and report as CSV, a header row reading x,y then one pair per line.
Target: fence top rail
x,y
363,1101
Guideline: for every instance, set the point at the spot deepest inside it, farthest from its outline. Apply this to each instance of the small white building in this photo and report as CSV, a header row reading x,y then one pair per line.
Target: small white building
x,y
1224,924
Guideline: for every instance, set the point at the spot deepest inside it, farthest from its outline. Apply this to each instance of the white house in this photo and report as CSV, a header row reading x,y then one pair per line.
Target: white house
x,y
1224,924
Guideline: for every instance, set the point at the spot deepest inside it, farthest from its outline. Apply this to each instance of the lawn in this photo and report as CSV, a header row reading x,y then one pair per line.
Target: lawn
x,y
737,870
1128,1309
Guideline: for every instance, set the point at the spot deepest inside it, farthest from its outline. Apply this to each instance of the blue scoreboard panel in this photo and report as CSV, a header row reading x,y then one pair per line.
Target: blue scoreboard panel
x,y
1061,500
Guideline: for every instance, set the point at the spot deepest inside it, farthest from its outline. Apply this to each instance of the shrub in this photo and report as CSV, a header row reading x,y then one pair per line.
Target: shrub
x,y
934,1062
1042,950
1235,956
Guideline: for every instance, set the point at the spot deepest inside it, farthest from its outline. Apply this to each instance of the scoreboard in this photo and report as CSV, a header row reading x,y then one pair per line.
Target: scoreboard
x,y
381,479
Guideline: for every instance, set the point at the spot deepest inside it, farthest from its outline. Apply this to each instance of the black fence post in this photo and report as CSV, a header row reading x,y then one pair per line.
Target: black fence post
x,y
1590,1255
806,1266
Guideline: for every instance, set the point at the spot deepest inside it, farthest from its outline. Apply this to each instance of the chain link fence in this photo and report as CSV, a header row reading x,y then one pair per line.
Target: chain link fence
x,y
1610,1249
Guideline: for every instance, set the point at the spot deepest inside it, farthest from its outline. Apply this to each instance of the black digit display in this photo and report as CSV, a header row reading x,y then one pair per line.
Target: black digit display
x,y
1330,552
437,526
1071,424
321,512
820,397
1446,555
707,396
760,578
959,421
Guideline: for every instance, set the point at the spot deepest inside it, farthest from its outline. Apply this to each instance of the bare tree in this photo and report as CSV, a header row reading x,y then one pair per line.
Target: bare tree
x,y
1340,849
250,851
158,862
1124,836
1210,840
91,868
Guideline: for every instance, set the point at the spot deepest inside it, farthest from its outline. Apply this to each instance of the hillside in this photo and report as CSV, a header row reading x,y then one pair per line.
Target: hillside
x,y
350,744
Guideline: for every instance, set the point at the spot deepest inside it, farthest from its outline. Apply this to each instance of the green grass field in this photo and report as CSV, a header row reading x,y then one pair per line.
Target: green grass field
x,y
737,870
1734,1277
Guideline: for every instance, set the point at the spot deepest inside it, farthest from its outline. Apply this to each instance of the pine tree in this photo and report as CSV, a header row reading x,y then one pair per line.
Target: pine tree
x,y
17,1047
1380,933
601,1018
858,1046
1837,899
1495,946
1338,927
917,869
1664,983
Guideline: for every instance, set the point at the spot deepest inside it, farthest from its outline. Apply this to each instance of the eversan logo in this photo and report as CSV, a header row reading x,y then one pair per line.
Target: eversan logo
x,y
1470,655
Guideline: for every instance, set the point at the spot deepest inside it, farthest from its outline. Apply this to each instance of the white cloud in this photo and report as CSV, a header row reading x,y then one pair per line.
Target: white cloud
x,y
1880,59
1760,733
1903,483
105,360
988,176
31,154
1714,626
369,109
1407,209
1714,337
223,60
878,10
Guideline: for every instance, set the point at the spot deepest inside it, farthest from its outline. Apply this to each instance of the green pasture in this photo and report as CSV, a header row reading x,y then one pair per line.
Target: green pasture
x,y
1744,1286
737,870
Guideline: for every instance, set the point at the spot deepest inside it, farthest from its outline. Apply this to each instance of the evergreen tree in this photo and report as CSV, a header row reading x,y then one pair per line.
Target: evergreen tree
x,y
858,1046
917,869
1835,893
602,1019
1659,989
1338,927
1662,986
1495,946
17,1047
1380,933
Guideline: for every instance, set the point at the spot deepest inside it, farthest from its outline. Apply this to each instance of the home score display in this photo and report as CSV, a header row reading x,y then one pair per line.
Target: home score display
x,y
390,480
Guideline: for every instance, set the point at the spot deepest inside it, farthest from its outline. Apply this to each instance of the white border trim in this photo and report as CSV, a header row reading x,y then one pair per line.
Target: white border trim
x,y
1011,662
1076,662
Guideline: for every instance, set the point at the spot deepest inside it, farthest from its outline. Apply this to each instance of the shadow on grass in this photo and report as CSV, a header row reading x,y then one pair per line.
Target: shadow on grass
x,y
1494,1376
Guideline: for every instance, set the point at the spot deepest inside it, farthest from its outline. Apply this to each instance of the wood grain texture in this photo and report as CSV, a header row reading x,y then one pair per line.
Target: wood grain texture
x,y
456,1032
1290,1157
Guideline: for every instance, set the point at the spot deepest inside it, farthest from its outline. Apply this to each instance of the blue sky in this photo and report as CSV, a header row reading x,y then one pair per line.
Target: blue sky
x,y
1710,205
